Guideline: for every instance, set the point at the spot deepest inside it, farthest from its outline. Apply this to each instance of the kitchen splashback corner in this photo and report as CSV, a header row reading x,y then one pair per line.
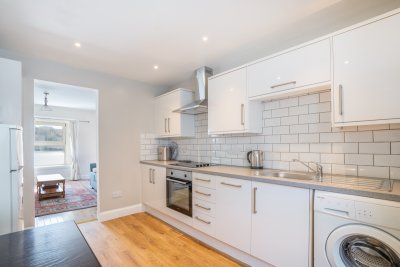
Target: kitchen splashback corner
x,y
296,128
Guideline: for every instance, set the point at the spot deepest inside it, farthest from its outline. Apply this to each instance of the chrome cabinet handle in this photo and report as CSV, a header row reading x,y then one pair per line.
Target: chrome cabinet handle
x,y
233,185
168,126
178,182
149,175
201,193
340,99
242,114
165,125
255,200
201,220
282,84
204,208
154,181
203,180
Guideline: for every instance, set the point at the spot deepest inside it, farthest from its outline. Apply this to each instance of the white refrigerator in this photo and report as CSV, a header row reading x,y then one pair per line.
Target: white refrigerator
x,y
11,166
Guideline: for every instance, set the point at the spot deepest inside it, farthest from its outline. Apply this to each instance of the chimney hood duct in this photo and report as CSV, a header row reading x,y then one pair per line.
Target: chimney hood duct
x,y
199,106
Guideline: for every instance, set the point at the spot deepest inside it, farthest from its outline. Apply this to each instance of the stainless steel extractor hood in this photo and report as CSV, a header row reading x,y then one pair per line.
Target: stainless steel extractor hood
x,y
200,104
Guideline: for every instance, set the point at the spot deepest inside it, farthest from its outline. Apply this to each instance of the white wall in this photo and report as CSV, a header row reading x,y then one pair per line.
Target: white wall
x,y
125,111
87,138
10,92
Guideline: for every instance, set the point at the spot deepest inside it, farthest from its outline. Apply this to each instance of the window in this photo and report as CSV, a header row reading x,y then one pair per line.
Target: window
x,y
50,143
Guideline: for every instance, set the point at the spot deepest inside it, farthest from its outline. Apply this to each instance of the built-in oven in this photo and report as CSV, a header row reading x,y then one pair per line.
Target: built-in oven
x,y
179,191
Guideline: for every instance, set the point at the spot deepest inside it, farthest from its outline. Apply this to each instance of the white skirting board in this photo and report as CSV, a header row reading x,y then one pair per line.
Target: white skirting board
x,y
212,242
113,214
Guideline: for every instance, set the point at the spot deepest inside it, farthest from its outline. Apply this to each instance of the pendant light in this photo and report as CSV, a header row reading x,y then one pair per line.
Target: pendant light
x,y
46,107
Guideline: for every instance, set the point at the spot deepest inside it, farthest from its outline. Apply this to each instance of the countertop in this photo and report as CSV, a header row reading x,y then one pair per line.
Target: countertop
x,y
331,183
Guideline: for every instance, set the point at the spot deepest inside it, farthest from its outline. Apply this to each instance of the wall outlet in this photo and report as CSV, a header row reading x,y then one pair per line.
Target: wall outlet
x,y
116,194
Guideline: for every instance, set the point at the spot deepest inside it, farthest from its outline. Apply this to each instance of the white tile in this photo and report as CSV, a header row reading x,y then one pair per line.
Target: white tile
x,y
267,130
289,156
354,137
387,160
243,140
272,122
264,147
325,97
350,170
280,147
299,110
331,137
289,102
345,148
267,114
268,164
321,148
272,156
309,99
299,147
297,166
281,112
280,165
307,157
326,168
289,138
374,148
308,138
324,127
271,105
373,127
231,140
248,147
259,139
395,173
357,159
320,107
226,161
345,129
237,162
372,171
290,120
309,118
301,128
395,148
325,117
388,135
273,139
220,154
280,130
237,147
332,158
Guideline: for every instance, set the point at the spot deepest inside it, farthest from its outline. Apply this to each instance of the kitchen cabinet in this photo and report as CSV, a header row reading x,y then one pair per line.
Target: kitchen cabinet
x,y
301,68
173,124
154,187
229,110
366,74
233,212
280,224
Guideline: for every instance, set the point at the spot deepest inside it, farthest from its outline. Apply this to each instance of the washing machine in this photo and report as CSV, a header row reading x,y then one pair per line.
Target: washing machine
x,y
353,231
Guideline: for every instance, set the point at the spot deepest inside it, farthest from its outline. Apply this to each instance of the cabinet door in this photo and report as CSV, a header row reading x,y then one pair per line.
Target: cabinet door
x,y
160,117
226,102
302,67
147,185
366,73
280,225
233,212
160,188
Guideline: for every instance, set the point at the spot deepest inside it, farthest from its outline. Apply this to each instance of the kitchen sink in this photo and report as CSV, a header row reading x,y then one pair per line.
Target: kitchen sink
x,y
289,175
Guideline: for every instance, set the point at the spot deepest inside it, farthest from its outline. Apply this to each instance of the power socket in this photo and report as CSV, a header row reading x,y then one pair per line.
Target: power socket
x,y
116,194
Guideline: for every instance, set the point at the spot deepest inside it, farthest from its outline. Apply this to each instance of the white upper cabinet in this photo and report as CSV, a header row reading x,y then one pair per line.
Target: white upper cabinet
x,y
229,110
302,68
366,74
169,123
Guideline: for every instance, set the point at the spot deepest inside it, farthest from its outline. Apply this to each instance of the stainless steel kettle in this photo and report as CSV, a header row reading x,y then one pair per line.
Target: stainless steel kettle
x,y
255,158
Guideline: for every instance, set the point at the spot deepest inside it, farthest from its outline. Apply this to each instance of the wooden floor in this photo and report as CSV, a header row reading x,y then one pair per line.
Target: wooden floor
x,y
79,216
143,240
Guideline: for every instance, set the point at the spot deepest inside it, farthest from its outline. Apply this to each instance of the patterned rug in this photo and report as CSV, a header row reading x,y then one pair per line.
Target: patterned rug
x,y
78,195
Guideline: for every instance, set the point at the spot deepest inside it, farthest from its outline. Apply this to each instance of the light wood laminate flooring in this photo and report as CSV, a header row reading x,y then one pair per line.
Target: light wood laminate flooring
x,y
79,216
143,240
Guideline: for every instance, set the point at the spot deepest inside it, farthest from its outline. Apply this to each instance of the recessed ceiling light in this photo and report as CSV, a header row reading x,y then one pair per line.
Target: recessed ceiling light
x,y
155,67
78,44
205,38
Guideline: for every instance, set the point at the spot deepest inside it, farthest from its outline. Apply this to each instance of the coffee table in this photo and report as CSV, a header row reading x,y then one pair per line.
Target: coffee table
x,y
52,185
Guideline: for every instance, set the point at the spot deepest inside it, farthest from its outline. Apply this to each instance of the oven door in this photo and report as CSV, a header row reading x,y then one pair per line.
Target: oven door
x,y
179,195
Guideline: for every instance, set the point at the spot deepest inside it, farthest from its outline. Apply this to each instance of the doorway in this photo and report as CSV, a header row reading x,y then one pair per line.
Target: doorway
x,y
65,153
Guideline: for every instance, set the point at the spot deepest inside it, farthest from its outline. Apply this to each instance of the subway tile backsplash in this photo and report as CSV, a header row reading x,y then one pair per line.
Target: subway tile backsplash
x,y
296,128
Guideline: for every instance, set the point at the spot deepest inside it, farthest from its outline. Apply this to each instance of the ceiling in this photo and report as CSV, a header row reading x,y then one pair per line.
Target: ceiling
x,y
128,37
64,95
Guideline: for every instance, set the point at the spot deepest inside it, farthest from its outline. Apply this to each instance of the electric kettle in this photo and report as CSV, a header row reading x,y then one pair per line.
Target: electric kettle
x,y
255,158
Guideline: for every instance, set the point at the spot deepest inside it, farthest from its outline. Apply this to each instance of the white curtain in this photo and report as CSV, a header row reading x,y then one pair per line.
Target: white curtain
x,y
75,175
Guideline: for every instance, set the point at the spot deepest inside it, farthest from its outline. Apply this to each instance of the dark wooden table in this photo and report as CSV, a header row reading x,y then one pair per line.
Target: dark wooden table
x,y
60,244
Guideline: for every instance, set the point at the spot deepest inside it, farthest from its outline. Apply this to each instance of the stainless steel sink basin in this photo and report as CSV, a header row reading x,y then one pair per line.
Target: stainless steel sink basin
x,y
289,175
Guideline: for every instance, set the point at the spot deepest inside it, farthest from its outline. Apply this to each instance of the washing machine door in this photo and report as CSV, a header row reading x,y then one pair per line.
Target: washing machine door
x,y
357,245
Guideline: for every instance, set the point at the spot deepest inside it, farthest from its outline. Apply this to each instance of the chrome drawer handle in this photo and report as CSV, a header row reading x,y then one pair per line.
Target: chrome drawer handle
x,y
282,84
203,180
340,100
233,185
204,208
201,193
203,221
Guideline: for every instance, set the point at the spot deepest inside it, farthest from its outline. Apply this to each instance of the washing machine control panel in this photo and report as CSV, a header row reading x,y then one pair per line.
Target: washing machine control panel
x,y
378,214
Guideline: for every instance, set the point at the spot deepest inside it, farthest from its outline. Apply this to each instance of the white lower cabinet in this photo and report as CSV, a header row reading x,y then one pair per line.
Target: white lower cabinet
x,y
154,187
280,225
233,212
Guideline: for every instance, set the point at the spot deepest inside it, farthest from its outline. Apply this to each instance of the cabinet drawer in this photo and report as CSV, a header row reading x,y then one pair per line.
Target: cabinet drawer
x,y
204,180
204,223
204,193
204,207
